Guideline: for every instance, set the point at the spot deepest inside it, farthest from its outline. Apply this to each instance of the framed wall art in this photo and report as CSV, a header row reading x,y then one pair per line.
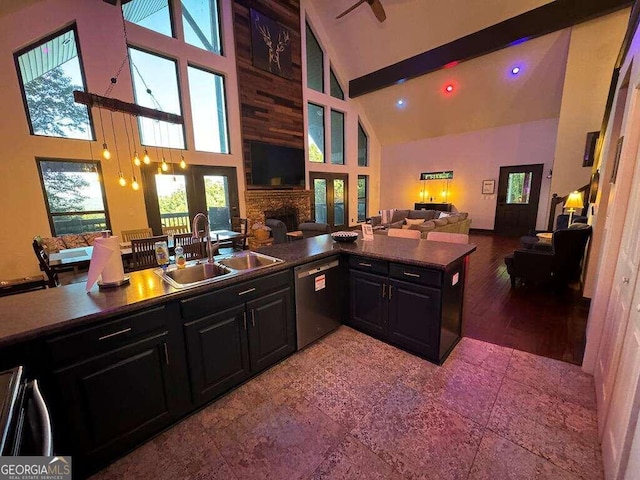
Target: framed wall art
x,y
488,187
270,45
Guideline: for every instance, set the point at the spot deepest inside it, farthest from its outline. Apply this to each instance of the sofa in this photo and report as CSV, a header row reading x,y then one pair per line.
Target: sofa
x,y
71,240
424,221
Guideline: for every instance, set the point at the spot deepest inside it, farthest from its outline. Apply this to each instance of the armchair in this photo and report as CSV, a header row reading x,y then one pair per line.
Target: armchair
x,y
278,230
561,264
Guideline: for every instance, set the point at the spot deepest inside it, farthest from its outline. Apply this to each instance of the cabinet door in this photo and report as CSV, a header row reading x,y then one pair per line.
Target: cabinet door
x,y
217,353
368,302
414,318
271,329
120,398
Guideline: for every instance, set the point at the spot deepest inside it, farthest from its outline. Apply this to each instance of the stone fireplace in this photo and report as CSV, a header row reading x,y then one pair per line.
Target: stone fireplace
x,y
294,206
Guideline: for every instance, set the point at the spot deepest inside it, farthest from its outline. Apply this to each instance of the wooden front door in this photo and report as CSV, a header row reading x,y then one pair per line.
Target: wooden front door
x,y
330,199
518,196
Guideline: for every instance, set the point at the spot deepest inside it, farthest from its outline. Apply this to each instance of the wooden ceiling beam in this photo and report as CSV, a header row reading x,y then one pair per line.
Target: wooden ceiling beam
x,y
115,105
535,23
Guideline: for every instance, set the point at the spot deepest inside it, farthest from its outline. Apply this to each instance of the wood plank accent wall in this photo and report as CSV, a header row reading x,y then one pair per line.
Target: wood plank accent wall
x,y
271,107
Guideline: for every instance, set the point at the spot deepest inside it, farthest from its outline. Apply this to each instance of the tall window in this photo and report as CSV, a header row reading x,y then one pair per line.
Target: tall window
x,y
334,87
158,75
315,62
316,133
363,193
154,15
201,21
337,137
74,196
363,147
49,72
208,111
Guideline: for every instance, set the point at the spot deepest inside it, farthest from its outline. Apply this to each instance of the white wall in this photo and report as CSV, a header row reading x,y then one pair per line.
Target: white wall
x,y
473,157
593,49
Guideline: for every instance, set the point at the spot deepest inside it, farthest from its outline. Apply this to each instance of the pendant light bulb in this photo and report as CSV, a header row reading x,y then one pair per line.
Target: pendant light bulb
x,y
122,180
134,183
146,158
165,167
106,154
183,164
136,159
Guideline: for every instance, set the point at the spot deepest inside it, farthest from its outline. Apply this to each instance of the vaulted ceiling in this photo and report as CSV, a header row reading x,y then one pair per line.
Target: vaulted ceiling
x,y
485,93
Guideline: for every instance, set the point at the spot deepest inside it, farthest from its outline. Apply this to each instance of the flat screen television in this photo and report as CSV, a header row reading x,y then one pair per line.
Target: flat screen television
x,y
276,166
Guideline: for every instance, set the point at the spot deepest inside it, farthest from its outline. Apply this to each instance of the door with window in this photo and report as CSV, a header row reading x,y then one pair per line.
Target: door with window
x,y
330,199
173,198
518,196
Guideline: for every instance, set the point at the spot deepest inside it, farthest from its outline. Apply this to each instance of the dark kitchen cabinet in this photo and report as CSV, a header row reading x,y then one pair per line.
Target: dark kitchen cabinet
x,y
368,303
418,309
217,352
236,332
128,388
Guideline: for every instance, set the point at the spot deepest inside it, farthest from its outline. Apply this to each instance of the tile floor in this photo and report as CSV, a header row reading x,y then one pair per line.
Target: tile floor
x,y
351,407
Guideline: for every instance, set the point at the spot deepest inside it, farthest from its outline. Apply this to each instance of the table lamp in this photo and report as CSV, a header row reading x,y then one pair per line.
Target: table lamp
x,y
573,202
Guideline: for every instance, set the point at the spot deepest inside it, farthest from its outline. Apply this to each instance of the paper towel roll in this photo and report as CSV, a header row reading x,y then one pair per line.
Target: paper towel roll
x,y
106,261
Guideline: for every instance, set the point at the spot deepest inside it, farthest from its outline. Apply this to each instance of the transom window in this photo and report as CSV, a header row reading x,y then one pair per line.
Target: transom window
x,y
49,72
201,21
74,196
151,14
315,62
334,87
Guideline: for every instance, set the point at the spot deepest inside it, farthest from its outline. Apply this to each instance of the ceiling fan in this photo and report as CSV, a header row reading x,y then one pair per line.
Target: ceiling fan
x,y
375,5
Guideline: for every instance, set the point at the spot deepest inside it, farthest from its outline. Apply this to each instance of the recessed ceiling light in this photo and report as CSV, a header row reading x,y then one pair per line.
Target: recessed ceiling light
x,y
448,88
400,102
515,70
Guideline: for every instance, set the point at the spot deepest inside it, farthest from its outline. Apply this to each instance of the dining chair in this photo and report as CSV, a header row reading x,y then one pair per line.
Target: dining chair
x,y
128,235
193,247
143,253
175,230
43,259
448,237
404,233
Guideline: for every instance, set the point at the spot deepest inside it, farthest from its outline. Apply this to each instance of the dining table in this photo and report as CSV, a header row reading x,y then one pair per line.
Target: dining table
x,y
81,256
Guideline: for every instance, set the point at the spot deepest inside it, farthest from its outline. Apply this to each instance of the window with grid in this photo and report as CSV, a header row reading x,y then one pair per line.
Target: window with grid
x,y
363,147
74,196
49,72
363,193
155,85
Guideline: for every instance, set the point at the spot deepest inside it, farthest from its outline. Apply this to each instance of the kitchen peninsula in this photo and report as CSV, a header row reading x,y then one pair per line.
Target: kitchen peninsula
x,y
118,366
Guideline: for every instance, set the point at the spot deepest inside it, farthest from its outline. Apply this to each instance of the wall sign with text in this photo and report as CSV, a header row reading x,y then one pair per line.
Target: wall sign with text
x,y
448,175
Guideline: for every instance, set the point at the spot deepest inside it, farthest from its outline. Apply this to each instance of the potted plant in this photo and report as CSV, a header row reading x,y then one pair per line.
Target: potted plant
x,y
260,231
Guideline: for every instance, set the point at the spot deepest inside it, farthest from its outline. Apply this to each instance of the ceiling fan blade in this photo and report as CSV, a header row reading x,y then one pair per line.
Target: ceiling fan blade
x,y
378,10
351,8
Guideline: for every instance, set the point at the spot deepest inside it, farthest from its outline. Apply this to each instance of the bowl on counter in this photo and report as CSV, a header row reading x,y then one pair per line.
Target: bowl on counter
x,y
345,236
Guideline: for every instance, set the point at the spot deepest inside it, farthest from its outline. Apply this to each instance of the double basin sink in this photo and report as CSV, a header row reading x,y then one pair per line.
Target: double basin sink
x,y
202,273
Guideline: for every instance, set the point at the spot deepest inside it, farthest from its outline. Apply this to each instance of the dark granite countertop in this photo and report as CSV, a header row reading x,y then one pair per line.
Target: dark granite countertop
x,y
30,315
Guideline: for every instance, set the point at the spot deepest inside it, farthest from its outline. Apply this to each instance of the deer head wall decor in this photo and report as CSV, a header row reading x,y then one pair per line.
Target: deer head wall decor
x,y
270,45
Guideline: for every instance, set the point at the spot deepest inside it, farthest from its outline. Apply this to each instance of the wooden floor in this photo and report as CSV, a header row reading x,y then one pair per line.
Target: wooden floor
x,y
528,318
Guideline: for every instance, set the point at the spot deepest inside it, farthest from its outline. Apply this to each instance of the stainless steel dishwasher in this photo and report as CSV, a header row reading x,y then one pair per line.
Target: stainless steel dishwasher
x,y
319,299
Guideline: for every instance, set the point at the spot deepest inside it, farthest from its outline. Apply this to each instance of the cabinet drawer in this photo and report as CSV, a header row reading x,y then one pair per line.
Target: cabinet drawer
x,y
369,264
205,304
409,273
92,341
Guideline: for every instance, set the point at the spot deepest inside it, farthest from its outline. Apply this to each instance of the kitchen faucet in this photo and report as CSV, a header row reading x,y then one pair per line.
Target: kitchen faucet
x,y
194,231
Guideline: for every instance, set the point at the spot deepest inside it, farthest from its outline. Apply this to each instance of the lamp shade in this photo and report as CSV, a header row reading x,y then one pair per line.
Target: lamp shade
x,y
574,201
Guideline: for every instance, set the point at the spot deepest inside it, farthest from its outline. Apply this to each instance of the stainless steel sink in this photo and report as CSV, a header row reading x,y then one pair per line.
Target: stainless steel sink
x,y
194,274
249,261
202,272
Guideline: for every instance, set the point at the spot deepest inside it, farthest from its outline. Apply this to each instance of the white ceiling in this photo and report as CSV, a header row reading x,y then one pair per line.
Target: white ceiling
x,y
486,95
